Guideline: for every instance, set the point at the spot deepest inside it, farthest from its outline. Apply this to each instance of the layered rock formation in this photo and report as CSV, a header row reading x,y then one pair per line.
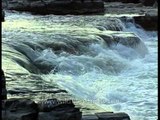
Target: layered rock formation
x,y
144,2
51,109
148,22
142,15
56,6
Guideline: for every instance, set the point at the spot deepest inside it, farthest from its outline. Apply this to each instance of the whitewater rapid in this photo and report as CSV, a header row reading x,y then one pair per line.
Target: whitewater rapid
x,y
118,77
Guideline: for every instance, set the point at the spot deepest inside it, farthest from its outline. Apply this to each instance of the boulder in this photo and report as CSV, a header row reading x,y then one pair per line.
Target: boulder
x,y
19,109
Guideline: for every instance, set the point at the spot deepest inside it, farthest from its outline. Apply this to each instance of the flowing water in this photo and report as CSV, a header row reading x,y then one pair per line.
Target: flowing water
x,y
72,51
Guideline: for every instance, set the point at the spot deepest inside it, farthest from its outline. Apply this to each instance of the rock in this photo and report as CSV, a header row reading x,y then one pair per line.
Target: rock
x,y
144,20
47,116
59,115
123,1
54,104
52,109
130,1
3,86
112,116
126,39
155,4
26,91
89,117
57,6
2,16
148,2
19,109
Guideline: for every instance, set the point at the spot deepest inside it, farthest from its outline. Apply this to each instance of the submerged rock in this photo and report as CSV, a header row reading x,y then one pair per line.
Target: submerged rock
x,y
57,6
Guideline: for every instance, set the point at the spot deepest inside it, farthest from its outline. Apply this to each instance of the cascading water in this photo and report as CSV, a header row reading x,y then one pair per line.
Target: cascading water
x,y
96,58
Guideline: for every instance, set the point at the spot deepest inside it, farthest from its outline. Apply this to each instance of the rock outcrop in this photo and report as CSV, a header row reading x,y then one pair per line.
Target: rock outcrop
x,y
3,86
148,2
26,109
144,2
106,116
148,22
61,7
2,16
19,109
51,109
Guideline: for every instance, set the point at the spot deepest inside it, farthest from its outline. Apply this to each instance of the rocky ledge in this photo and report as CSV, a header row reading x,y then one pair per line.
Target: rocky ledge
x,y
61,7
148,22
51,109
144,2
141,14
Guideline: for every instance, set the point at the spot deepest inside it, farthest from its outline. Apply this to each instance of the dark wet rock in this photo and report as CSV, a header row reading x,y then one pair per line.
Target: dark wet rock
x,y
108,39
26,91
3,86
148,22
148,2
54,104
60,115
19,109
57,6
89,117
112,116
123,1
53,109
130,40
130,1
2,16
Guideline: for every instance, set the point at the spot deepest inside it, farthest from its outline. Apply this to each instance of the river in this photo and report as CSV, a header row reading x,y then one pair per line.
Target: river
x,y
67,49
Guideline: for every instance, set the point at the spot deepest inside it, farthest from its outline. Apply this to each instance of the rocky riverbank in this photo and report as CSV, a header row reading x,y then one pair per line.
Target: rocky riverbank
x,y
72,109
143,14
60,106
61,7
51,109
